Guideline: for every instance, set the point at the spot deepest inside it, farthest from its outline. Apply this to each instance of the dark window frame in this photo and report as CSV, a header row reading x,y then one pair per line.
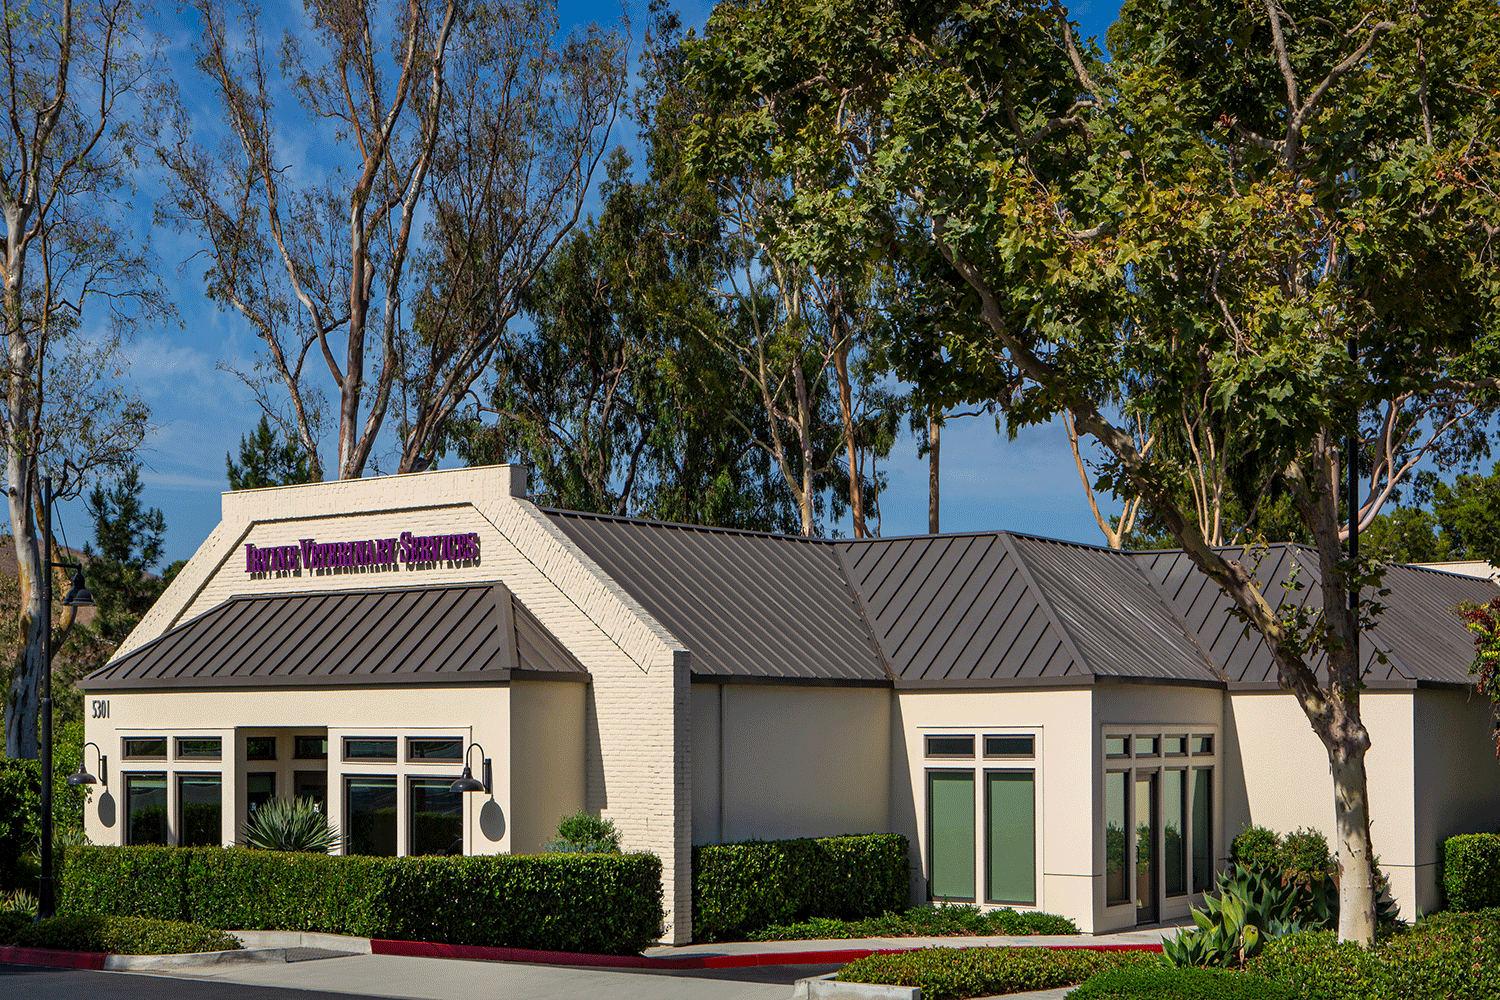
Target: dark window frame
x,y
275,748
932,755
128,755
412,759
1036,840
165,805
199,739
297,753
386,780
1028,737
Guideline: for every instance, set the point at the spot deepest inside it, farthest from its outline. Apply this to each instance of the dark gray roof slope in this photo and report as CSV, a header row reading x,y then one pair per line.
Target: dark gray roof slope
x,y
1001,607
434,635
1419,637
748,605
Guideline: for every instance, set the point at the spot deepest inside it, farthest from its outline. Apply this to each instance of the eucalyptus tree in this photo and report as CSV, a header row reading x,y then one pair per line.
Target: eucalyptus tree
x,y
1286,212
75,279
452,147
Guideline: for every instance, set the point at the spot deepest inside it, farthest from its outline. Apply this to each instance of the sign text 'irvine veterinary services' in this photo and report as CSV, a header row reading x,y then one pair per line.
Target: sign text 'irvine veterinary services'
x,y
375,552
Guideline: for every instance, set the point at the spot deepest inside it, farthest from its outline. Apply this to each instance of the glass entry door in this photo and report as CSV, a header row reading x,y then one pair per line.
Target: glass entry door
x,y
1147,908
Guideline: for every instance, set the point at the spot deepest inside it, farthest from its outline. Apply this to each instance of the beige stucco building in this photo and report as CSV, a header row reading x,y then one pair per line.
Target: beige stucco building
x,y
1052,725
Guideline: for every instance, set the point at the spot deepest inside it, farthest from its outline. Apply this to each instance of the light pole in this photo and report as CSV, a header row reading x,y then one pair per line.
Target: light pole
x,y
78,596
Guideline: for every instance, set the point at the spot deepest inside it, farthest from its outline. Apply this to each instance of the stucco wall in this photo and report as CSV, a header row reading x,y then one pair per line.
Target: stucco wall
x,y
1279,777
638,713
478,714
1062,723
791,761
1457,781
546,758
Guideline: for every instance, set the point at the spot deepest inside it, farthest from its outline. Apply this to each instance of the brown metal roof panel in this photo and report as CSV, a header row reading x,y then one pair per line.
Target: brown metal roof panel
x,y
403,636
538,649
951,632
948,598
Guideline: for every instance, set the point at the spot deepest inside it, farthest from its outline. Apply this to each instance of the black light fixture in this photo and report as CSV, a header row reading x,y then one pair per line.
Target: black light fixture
x,y
468,783
85,778
78,596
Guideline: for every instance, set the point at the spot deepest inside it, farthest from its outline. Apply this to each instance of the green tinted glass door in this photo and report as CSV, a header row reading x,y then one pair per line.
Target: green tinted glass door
x,y
950,828
1010,836
1174,793
1145,849
1116,881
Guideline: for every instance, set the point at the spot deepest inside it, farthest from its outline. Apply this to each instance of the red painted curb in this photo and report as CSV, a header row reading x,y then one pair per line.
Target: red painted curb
x,y
480,953
48,958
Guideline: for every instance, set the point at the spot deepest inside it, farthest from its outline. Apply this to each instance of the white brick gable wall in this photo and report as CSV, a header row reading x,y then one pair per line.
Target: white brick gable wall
x,y
638,738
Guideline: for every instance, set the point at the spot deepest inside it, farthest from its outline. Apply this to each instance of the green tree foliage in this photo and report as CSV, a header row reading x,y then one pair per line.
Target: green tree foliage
x,y
127,546
1267,225
1468,510
267,460
623,396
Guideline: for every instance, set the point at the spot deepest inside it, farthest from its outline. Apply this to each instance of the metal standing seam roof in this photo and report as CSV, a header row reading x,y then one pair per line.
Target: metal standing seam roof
x,y
750,606
469,634
1418,636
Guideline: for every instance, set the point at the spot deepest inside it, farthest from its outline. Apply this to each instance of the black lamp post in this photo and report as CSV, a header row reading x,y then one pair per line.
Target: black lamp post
x,y
78,596
468,783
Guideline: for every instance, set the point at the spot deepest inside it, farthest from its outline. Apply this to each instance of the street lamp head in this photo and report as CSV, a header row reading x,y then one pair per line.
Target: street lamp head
x,y
78,595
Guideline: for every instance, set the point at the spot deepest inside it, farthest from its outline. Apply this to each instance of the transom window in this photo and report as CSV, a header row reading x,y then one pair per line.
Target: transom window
x,y
370,748
204,749
147,748
950,746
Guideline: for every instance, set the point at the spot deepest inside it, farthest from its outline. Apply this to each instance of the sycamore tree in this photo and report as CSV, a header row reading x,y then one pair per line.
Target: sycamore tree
x,y
1281,214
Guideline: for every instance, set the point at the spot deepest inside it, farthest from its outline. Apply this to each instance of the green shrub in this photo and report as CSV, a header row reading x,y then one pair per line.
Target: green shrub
x,y
289,825
582,833
12,922
956,973
123,935
141,881
1163,983
1448,957
21,804
943,920
597,903
1471,871
742,888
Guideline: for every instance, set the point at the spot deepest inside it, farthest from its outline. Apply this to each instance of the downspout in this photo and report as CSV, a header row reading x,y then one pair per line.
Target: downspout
x,y
719,799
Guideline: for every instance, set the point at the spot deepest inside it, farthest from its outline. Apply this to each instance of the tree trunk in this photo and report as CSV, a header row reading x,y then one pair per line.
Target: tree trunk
x,y
846,413
934,452
23,700
1352,826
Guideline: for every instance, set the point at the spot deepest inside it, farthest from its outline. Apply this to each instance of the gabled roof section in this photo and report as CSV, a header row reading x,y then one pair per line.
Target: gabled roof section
x,y
420,636
1420,638
750,606
1001,607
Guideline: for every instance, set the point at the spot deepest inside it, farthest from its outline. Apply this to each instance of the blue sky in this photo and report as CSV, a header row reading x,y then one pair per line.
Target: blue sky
x,y
201,410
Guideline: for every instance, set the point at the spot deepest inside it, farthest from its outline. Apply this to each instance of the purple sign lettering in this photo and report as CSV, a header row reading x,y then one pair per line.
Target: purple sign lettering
x,y
405,549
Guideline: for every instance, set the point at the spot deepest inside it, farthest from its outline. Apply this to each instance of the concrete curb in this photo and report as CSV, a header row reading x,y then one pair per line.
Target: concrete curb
x,y
302,939
826,988
191,960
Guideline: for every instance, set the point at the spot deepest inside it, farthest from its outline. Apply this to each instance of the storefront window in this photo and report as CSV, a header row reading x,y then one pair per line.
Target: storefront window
x,y
437,817
1203,858
311,785
146,808
1116,888
1010,836
434,749
311,748
370,749
260,788
1174,830
198,749
372,815
199,809
950,817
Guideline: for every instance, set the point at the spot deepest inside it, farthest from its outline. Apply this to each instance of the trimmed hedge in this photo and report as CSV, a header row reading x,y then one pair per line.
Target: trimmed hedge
x,y
1165,983
1446,957
957,973
11,924
742,888
1471,871
923,921
123,935
595,903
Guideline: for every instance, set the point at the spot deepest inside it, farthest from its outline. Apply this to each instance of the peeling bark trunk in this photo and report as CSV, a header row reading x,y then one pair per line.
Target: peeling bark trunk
x,y
1352,825
846,413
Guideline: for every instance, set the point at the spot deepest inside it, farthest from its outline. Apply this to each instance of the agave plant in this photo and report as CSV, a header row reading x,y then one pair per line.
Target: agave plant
x,y
18,901
290,825
1252,906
